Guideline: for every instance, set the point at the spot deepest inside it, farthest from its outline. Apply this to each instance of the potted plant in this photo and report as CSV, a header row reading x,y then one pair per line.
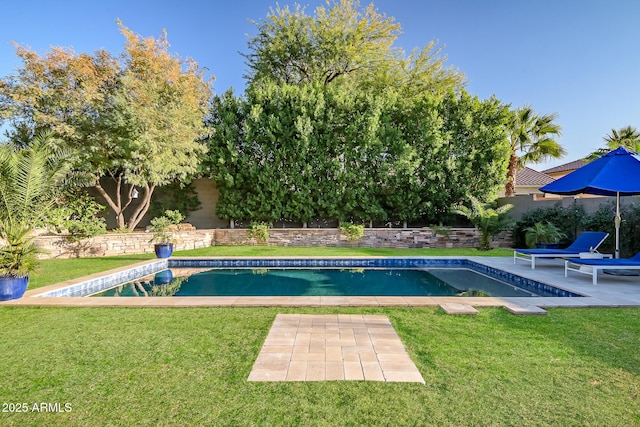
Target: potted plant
x,y
30,180
543,235
163,228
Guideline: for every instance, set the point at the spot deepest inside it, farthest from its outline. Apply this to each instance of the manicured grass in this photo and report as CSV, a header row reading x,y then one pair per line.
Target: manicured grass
x,y
181,366
159,367
58,270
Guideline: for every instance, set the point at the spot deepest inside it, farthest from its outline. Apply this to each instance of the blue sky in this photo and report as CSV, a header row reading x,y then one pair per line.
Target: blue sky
x,y
577,58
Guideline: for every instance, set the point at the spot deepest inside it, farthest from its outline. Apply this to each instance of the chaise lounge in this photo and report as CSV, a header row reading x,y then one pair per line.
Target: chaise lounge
x,y
591,266
587,241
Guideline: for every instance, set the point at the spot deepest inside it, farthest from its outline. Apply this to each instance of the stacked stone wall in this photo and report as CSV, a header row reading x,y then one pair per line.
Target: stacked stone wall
x,y
112,244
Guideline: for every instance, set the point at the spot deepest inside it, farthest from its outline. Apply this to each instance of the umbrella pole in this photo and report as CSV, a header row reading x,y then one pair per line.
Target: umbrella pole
x,y
617,222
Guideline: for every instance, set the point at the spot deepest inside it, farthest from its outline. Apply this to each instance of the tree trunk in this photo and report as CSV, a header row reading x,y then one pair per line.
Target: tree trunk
x,y
115,202
510,187
142,208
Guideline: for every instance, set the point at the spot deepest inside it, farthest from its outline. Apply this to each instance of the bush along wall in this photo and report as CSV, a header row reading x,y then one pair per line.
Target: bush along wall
x,y
573,220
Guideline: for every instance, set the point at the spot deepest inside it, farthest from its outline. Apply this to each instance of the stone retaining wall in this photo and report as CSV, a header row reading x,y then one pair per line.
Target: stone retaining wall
x,y
139,242
112,244
373,238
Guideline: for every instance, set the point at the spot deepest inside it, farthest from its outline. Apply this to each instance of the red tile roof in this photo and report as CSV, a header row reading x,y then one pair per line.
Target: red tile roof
x,y
528,176
571,166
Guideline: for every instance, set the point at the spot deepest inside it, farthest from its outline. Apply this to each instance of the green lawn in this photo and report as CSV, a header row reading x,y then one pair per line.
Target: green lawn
x,y
188,366
147,366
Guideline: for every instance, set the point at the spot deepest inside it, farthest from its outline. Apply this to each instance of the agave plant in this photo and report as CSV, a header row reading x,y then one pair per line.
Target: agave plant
x,y
30,180
488,220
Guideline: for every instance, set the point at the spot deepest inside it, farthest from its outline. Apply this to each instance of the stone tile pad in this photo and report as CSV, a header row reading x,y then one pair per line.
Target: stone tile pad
x,y
301,347
457,308
525,309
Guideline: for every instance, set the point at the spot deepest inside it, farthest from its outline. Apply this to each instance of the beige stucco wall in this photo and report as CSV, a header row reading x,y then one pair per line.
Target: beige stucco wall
x,y
205,216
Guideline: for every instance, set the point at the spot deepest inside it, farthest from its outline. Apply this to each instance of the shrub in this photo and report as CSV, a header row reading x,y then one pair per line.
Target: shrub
x,y
544,233
352,231
77,215
567,220
603,220
259,231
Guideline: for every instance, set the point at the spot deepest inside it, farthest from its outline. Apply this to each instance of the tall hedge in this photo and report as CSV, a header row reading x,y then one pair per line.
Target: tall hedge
x,y
307,152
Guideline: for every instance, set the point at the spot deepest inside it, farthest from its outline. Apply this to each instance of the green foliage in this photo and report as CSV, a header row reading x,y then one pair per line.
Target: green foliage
x,y
486,219
568,220
314,151
134,118
259,231
542,233
31,178
532,135
572,220
76,215
627,137
603,220
19,256
162,226
352,231
344,44
175,196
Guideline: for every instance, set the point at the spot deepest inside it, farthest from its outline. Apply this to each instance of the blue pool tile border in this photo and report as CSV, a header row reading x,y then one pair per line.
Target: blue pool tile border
x,y
92,286
98,284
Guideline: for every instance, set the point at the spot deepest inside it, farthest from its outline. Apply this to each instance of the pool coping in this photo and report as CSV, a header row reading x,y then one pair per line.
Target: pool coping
x,y
616,292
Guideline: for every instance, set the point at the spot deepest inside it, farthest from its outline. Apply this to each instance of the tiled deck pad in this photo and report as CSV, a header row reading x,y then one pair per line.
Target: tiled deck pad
x,y
303,347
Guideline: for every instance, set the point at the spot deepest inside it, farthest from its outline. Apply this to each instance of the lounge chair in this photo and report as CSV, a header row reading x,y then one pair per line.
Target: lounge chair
x,y
591,266
587,241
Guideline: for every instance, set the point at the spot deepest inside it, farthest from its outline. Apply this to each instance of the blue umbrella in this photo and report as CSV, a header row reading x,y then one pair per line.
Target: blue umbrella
x,y
617,173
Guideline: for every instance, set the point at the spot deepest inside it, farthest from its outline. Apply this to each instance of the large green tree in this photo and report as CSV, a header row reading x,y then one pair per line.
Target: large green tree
x,y
343,43
532,140
134,120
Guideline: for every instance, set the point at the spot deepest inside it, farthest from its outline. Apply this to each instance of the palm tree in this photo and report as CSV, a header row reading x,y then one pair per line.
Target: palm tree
x,y
486,219
533,136
627,137
30,180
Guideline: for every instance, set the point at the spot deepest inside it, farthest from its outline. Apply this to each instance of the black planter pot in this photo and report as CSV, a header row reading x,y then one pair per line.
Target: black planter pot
x,y
163,250
12,287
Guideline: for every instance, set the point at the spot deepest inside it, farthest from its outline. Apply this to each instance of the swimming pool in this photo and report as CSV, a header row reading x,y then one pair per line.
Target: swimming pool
x,y
444,266
315,282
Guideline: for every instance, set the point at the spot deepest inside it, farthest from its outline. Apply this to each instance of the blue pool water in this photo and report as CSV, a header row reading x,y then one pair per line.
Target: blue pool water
x,y
156,278
317,282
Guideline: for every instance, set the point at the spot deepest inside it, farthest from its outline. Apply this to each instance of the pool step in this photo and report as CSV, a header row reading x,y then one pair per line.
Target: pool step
x,y
458,308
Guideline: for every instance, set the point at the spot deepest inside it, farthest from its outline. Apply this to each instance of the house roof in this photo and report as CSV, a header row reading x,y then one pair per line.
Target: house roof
x,y
571,166
528,176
